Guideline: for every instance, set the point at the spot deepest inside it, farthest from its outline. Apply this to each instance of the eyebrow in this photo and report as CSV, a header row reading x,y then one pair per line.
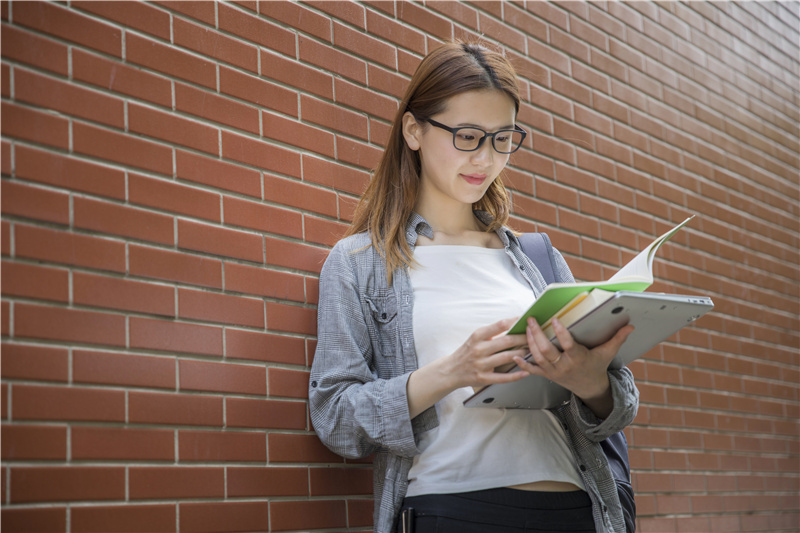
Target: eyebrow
x,y
470,125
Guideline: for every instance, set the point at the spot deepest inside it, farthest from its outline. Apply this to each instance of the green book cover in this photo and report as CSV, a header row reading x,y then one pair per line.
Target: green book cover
x,y
636,276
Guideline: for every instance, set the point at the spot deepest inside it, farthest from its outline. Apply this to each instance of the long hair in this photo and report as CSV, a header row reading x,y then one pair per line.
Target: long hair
x,y
390,197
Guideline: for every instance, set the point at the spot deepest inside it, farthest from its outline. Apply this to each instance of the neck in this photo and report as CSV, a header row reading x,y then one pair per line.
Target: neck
x,y
452,220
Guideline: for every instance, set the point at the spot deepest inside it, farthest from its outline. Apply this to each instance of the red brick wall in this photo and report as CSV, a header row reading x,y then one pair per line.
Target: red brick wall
x,y
174,173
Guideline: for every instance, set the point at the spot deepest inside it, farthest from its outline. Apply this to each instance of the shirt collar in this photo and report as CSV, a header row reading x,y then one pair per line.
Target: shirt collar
x,y
417,225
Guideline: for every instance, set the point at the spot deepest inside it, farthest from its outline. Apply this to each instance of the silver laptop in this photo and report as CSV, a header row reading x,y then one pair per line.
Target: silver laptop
x,y
655,316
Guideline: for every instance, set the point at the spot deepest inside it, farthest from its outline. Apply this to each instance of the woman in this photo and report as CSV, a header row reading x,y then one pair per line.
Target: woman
x,y
413,304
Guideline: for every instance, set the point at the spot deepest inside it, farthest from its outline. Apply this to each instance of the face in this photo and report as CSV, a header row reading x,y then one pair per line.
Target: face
x,y
450,175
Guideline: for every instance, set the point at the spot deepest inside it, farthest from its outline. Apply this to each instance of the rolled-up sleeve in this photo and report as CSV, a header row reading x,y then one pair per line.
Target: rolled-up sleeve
x,y
354,411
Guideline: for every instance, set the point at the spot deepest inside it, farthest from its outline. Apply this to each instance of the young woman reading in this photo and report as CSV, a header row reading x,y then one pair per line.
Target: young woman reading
x,y
413,302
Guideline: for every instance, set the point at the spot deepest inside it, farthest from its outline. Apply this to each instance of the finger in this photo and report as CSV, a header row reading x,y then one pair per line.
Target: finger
x,y
563,335
542,349
615,343
503,358
493,330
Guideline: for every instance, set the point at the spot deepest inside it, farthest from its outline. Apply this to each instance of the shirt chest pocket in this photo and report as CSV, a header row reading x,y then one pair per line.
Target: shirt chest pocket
x,y
383,324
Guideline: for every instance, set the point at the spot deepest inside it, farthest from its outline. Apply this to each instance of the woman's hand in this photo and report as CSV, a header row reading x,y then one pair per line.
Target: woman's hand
x,y
577,368
471,365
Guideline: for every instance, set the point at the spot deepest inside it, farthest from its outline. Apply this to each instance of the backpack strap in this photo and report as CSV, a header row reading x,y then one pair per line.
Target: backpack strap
x,y
538,248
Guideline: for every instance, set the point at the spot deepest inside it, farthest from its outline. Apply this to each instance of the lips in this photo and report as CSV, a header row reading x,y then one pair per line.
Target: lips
x,y
474,179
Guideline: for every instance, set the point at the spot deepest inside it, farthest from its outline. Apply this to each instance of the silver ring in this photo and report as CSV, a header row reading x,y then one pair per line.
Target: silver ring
x,y
557,358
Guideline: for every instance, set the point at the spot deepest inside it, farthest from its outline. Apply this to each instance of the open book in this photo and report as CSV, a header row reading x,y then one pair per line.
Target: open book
x,y
636,276
593,312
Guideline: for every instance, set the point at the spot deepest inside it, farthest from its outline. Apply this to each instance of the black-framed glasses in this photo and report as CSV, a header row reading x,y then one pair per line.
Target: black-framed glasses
x,y
470,138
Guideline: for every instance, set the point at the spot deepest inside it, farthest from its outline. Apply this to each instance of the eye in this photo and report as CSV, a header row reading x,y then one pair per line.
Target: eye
x,y
467,135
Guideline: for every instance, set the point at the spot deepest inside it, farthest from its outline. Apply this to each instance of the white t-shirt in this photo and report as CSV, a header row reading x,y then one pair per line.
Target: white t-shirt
x,y
458,289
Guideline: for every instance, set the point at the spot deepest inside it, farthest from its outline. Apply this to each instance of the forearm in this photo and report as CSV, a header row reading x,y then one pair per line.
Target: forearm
x,y
428,385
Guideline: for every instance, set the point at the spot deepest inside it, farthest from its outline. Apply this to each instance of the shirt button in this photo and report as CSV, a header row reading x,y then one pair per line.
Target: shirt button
x,y
583,468
314,384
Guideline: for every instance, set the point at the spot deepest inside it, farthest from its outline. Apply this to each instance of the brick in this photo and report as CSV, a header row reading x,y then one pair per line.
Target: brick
x,y
356,97
39,363
34,50
68,172
258,91
260,154
26,201
120,78
122,294
142,17
321,231
220,241
121,148
262,217
67,98
46,484
212,44
391,31
171,482
128,444
109,368
32,281
287,515
360,43
170,61
223,377
297,75
175,266
123,518
264,282
334,175
299,17
202,11
288,383
334,117
299,134
265,414
216,173
426,21
31,402
294,255
256,29
226,446
174,197
291,448
173,129
386,81
30,125
42,443
34,519
291,318
341,481
53,323
252,345
174,409
170,336
266,482
224,517
116,219
210,106
52,19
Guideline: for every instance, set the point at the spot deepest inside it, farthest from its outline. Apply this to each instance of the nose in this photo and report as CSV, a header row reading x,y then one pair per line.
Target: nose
x,y
484,155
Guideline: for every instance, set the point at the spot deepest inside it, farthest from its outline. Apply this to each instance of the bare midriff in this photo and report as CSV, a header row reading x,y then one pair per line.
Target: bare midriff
x,y
547,486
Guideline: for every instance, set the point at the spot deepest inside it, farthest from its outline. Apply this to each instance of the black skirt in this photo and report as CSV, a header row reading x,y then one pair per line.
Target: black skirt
x,y
498,511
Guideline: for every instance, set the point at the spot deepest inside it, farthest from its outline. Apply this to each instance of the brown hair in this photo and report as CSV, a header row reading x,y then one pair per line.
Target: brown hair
x,y
391,195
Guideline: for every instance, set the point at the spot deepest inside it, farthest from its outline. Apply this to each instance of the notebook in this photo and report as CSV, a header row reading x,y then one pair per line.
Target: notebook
x,y
655,316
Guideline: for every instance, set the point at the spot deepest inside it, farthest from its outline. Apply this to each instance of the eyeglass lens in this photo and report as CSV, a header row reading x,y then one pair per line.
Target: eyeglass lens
x,y
504,141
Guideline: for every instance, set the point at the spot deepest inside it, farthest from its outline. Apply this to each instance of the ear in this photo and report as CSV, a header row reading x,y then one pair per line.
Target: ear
x,y
411,131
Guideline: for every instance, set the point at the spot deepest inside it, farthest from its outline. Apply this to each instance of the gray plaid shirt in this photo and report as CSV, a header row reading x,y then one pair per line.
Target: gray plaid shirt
x,y
365,353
